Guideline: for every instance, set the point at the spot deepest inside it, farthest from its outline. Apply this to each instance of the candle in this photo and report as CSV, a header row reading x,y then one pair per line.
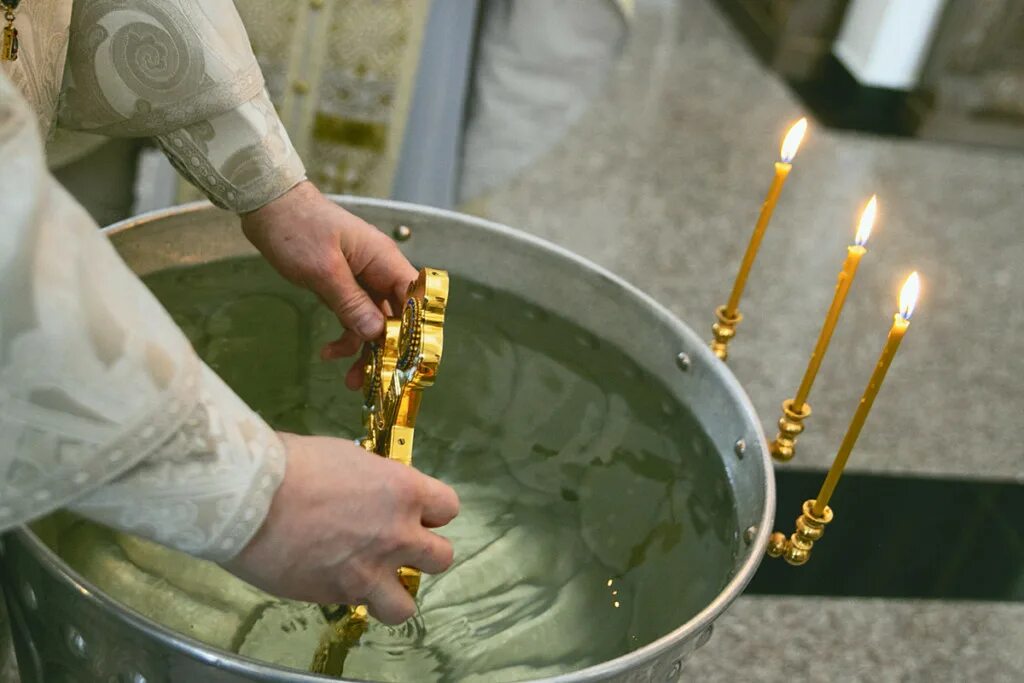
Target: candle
x,y
782,168
901,321
796,410
854,253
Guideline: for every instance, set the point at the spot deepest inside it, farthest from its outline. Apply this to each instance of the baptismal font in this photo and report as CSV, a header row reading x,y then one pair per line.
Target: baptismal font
x,y
406,361
581,483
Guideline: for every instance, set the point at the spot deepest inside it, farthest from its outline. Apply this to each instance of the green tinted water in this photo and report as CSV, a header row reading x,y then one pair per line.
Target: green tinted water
x,y
596,516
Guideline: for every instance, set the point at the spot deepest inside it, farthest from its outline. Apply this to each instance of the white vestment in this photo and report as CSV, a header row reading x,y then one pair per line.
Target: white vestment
x,y
104,407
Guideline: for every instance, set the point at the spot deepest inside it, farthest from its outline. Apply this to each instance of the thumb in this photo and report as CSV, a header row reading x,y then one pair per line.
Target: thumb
x,y
350,302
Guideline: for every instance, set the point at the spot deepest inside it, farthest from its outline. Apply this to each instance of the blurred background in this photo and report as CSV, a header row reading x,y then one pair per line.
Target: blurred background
x,y
443,101
642,136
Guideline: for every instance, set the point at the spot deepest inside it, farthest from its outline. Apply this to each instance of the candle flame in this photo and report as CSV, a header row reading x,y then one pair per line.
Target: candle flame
x,y
908,295
791,143
867,221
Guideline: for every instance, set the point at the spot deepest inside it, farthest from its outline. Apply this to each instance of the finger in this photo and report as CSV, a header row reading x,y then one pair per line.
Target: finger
x,y
356,374
353,306
389,602
379,263
399,296
440,502
344,347
432,554
348,345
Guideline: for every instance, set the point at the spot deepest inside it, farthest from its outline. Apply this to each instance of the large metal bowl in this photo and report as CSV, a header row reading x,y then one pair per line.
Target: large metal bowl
x,y
67,630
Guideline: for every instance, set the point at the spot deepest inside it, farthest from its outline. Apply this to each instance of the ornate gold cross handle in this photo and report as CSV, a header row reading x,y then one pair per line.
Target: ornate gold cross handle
x,y
398,369
402,365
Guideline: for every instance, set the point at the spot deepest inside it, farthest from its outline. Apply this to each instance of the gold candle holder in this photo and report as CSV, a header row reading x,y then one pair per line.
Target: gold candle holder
x,y
810,527
724,330
791,425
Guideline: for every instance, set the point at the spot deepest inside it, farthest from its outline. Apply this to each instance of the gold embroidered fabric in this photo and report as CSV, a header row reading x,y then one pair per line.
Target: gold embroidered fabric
x,y
341,73
104,406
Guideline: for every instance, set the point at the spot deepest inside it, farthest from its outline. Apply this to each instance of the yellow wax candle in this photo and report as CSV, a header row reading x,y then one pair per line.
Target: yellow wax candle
x,y
782,168
854,253
901,321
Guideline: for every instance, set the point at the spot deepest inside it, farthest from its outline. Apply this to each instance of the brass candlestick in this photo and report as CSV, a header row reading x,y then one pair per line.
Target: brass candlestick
x,y
724,330
791,425
796,549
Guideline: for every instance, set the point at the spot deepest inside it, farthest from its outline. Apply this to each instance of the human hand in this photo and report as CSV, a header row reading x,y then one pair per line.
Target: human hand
x,y
341,524
355,269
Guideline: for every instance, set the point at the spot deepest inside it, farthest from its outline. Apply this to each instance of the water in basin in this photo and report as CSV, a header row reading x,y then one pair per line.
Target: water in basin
x,y
596,516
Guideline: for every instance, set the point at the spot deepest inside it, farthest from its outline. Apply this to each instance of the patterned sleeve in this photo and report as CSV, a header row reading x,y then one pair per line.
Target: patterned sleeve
x,y
241,159
181,71
104,406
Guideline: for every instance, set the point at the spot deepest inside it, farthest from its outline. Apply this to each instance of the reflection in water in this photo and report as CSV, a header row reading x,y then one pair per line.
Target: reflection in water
x,y
595,515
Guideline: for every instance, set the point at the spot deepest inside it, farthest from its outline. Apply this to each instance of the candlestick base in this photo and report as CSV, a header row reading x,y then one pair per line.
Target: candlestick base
x,y
796,549
724,330
791,425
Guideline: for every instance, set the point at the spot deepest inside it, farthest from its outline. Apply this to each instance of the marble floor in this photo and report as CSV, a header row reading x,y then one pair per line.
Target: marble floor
x,y
661,182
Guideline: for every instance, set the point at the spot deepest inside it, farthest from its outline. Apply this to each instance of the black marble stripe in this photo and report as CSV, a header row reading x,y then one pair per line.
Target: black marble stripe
x,y
905,537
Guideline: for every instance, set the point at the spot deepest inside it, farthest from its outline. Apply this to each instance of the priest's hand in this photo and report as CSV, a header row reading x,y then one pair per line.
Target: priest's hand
x,y
355,269
341,524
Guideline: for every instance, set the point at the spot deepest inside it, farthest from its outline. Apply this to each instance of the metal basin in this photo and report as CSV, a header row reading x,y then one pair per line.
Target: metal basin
x,y
66,629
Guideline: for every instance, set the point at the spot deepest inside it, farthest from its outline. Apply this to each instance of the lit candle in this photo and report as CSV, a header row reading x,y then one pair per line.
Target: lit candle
x,y
796,410
728,315
790,145
901,321
854,253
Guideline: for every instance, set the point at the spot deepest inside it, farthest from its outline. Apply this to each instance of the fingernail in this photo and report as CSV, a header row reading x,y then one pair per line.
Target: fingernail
x,y
369,326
